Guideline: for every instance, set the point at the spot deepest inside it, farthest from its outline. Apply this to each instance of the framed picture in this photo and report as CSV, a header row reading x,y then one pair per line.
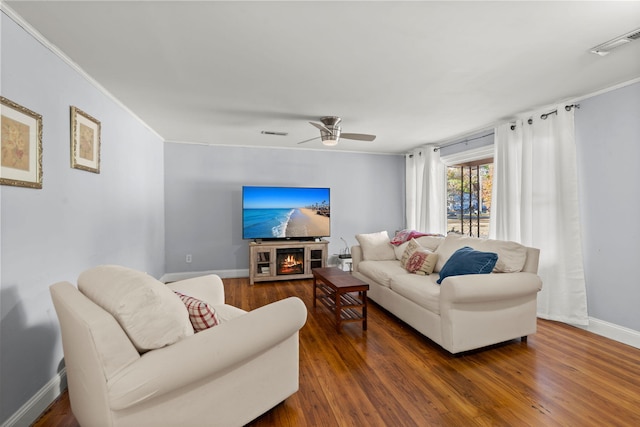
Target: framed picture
x,y
85,141
20,145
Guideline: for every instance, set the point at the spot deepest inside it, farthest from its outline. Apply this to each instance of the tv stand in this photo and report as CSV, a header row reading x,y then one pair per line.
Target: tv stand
x,y
285,259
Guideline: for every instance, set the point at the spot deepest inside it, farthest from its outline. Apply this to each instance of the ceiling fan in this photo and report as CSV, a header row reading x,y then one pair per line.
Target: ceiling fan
x,y
331,132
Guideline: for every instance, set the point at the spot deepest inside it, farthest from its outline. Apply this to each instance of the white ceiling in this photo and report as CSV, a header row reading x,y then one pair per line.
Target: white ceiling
x,y
410,72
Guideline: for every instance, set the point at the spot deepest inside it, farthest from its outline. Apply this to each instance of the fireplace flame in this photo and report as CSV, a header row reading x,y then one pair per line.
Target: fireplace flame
x,y
291,264
290,261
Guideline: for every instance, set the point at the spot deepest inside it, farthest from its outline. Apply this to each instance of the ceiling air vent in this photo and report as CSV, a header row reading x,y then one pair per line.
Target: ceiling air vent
x,y
604,48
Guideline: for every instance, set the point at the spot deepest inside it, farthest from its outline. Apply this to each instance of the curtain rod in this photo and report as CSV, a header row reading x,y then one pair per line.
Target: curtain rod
x,y
530,121
462,142
545,115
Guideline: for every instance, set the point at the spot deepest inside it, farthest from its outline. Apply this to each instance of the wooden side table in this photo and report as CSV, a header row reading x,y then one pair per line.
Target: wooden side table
x,y
344,295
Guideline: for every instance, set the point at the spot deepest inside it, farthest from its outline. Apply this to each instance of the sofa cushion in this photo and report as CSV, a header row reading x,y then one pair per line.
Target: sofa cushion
x,y
430,242
151,314
226,312
422,290
511,255
382,271
201,314
422,261
452,243
467,260
376,246
399,250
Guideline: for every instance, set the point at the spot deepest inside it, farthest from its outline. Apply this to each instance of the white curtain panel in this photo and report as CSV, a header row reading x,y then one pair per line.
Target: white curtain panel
x,y
414,170
535,202
425,191
506,209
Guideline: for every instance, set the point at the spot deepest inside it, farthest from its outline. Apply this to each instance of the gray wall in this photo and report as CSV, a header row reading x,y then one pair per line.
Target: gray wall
x,y
203,189
608,145
80,219
77,220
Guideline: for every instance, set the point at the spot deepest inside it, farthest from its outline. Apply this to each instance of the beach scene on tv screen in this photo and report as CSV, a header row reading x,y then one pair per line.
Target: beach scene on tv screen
x,y
277,212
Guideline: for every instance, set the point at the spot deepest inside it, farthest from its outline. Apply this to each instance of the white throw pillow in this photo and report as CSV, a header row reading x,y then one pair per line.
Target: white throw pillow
x,y
151,314
376,246
511,255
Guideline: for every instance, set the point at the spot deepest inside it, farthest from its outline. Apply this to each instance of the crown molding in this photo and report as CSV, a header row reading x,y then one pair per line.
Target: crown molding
x,y
11,14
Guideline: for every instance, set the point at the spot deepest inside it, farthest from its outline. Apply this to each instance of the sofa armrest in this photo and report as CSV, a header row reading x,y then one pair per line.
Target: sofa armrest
x,y
493,287
356,257
207,353
207,288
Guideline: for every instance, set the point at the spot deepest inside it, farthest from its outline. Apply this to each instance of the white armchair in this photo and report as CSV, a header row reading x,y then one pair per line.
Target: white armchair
x,y
226,375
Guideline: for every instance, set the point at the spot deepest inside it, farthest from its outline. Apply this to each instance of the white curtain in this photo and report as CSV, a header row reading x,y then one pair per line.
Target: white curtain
x,y
425,191
535,202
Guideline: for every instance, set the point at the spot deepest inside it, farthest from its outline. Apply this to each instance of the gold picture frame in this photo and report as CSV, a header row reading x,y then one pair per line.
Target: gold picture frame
x,y
20,145
85,141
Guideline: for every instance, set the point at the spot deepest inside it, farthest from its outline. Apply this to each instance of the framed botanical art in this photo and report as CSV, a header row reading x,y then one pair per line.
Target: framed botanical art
x,y
85,141
20,145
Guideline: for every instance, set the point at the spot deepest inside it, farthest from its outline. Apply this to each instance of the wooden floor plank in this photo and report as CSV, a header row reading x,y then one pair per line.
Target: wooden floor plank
x,y
391,375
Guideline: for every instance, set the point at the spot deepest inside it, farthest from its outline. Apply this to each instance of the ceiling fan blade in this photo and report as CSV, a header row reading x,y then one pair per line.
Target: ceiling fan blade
x,y
358,136
322,127
310,139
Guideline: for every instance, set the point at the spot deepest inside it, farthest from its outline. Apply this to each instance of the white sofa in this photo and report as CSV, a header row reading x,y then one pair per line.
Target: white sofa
x,y
464,312
133,359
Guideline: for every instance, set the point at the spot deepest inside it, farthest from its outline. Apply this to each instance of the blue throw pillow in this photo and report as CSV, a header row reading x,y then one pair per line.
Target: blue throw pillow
x,y
468,261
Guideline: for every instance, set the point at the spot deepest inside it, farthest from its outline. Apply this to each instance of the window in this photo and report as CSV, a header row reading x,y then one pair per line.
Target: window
x,y
469,197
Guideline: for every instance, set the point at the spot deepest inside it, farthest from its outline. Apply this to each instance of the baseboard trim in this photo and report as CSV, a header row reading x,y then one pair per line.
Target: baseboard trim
x,y
613,331
174,277
34,407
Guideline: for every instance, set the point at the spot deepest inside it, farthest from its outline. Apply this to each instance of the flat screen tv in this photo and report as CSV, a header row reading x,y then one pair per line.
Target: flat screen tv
x,y
298,213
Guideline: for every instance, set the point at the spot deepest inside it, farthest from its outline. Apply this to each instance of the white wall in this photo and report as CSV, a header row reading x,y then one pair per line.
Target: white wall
x,y
77,220
608,146
204,188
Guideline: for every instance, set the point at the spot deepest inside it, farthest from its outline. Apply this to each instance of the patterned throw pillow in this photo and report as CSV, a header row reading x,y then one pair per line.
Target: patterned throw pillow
x,y
201,314
412,246
422,262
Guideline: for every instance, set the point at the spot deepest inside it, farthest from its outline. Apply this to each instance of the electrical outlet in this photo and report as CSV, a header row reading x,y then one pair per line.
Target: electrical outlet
x,y
188,258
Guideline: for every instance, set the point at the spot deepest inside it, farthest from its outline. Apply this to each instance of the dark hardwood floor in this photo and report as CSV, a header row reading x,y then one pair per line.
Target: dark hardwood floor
x,y
391,375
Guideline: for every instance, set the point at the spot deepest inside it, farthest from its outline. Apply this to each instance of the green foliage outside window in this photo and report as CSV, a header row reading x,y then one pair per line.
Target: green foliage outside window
x,y
469,189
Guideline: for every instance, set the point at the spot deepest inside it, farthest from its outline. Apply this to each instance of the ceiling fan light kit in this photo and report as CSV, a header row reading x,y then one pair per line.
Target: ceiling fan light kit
x,y
330,132
329,142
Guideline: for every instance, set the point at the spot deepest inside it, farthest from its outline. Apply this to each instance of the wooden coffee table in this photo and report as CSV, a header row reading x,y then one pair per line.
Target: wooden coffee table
x,y
344,295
